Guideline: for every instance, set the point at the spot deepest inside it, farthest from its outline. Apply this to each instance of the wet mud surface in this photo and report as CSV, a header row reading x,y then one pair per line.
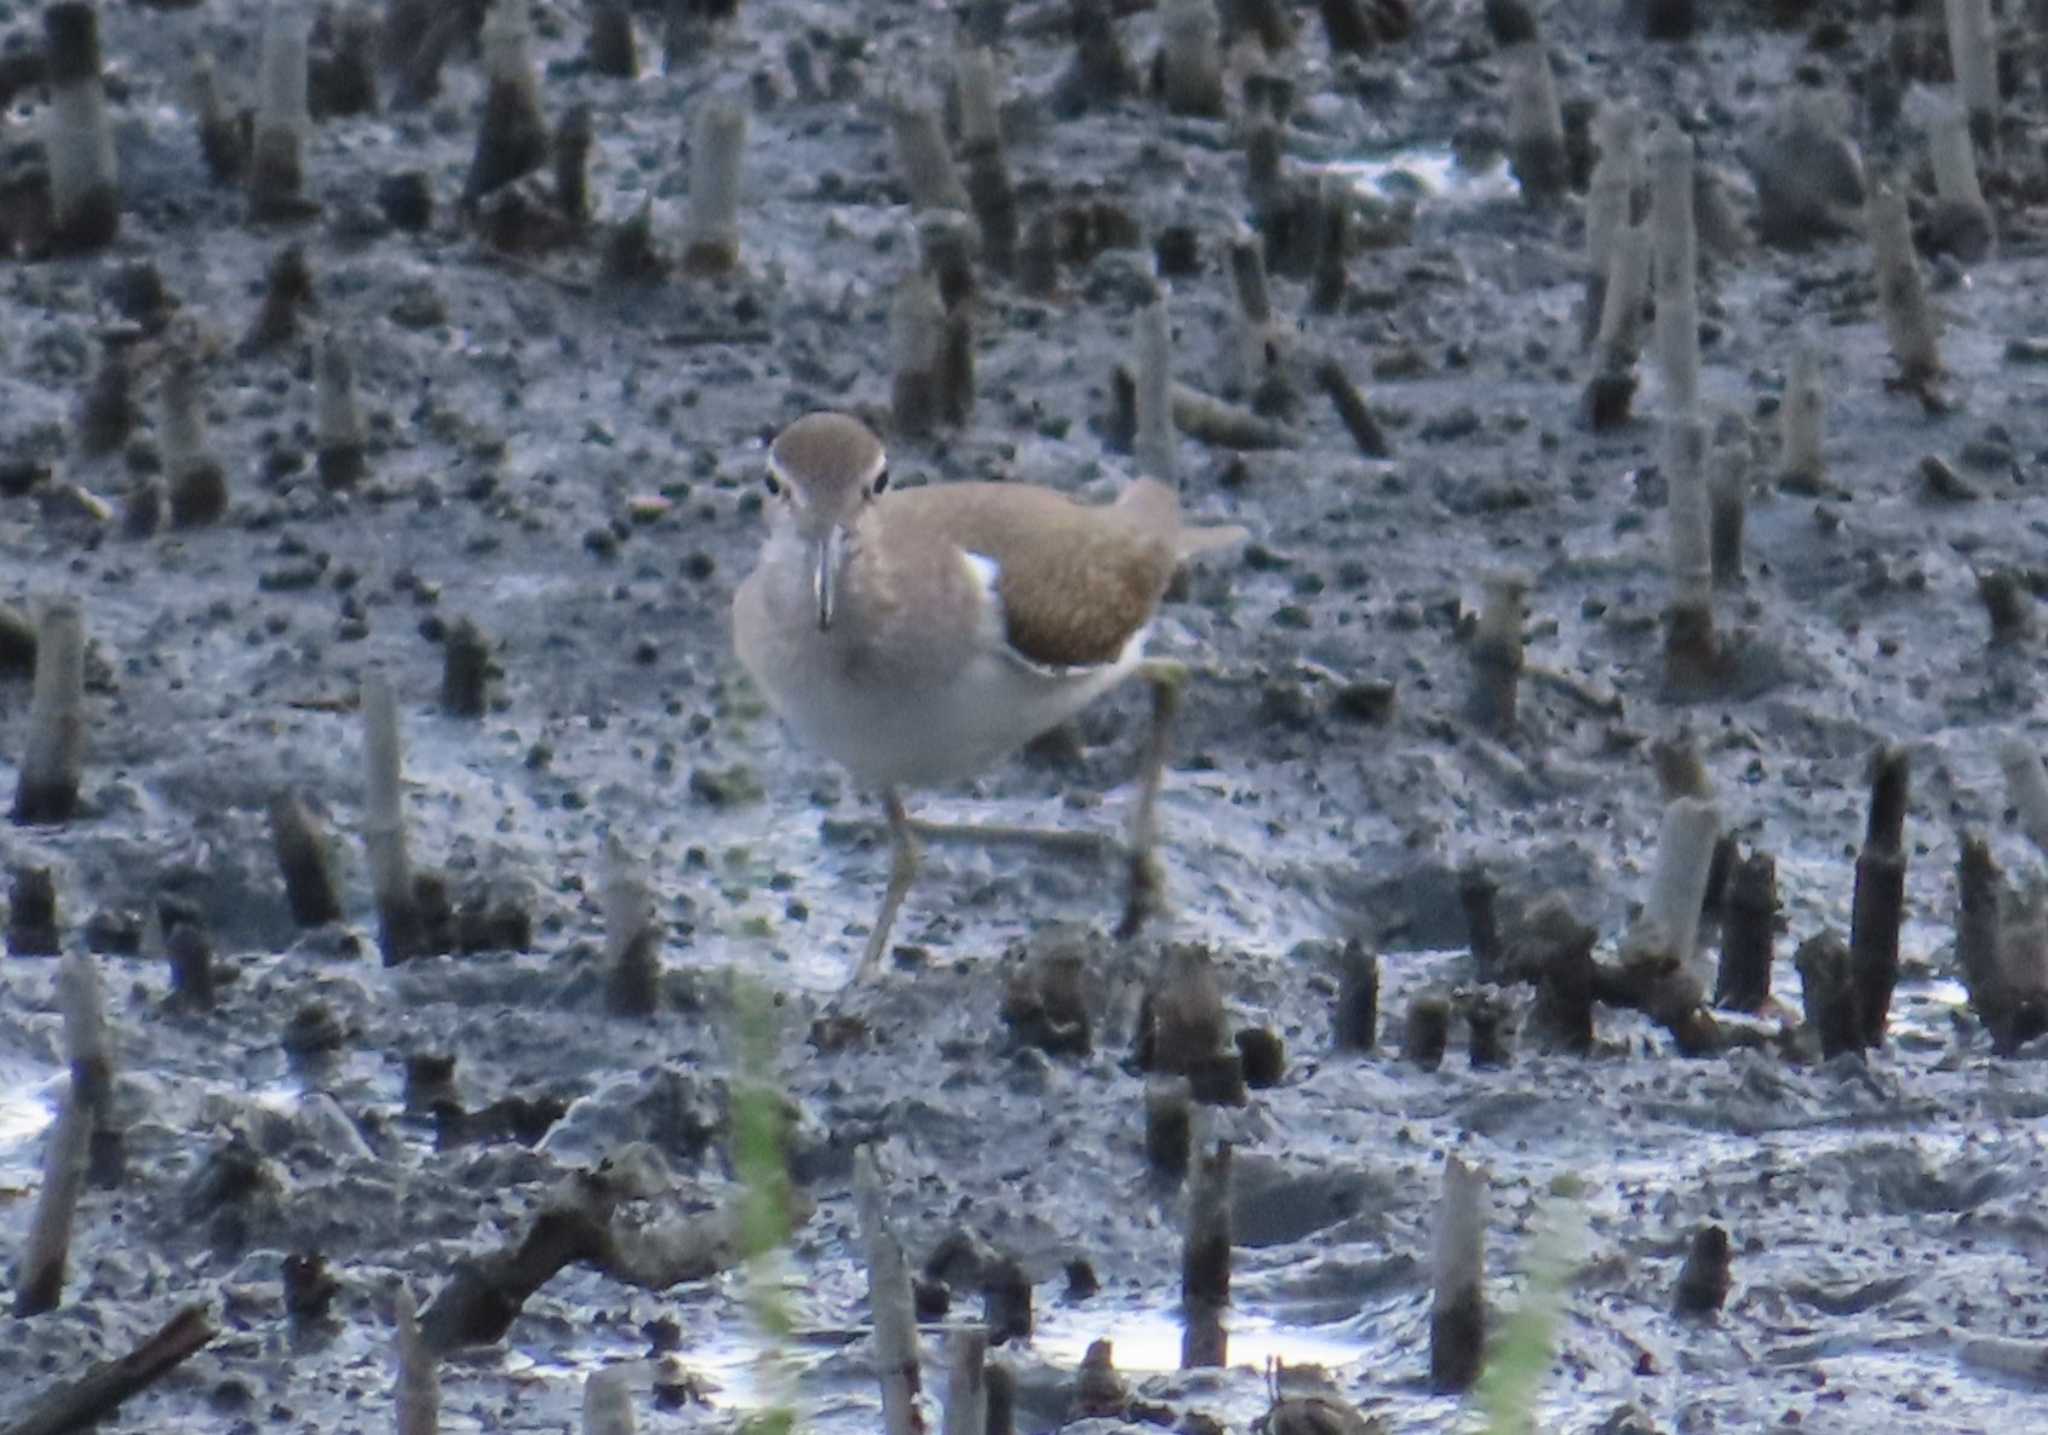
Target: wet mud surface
x,y
575,465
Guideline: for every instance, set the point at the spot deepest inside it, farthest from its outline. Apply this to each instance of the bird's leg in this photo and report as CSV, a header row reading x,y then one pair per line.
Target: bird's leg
x,y
903,856
1146,893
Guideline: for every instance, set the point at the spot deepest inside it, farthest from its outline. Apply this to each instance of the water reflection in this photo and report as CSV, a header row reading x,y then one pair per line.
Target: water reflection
x,y
1148,1341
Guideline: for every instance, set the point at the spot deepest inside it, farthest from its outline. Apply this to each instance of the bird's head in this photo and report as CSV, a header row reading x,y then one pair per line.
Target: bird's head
x,y
823,470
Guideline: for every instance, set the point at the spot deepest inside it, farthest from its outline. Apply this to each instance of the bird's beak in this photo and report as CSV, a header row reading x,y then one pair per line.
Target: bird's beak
x,y
825,582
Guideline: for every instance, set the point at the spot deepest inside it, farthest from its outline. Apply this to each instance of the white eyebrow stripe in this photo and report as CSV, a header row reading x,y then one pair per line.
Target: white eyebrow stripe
x,y
874,469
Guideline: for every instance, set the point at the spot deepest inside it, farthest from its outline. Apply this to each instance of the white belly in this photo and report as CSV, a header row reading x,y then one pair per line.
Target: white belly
x,y
924,732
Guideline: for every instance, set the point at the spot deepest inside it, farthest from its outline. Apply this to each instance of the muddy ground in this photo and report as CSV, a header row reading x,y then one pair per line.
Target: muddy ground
x,y
575,465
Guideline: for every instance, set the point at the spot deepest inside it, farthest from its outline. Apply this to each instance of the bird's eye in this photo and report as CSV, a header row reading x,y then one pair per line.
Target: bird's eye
x,y
774,485
881,482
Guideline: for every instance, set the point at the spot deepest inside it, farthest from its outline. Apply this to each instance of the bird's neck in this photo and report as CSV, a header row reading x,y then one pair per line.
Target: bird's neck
x,y
791,560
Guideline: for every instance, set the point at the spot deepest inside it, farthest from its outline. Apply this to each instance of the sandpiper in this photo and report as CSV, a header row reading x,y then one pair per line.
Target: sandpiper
x,y
918,636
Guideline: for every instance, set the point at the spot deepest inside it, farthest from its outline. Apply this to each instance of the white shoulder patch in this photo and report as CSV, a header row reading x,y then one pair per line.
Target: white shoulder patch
x,y
985,571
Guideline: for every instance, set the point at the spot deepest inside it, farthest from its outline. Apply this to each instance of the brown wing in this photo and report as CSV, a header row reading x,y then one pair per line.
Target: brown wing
x,y
1076,581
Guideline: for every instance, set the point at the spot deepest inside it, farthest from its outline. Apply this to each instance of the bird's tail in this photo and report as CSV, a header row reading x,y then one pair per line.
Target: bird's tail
x,y
1204,540
1156,506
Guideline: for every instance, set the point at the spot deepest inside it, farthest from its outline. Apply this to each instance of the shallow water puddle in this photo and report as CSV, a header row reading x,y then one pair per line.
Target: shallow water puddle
x,y
728,1372
1427,172
27,1107
1147,1340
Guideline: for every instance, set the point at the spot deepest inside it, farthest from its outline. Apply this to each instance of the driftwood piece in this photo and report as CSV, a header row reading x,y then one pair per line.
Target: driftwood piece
x,y
95,1395
479,1302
